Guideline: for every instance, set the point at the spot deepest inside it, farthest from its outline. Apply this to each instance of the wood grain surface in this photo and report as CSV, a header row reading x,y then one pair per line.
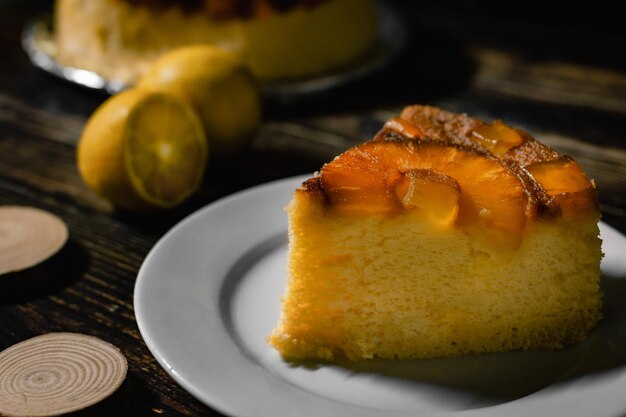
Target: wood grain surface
x,y
572,102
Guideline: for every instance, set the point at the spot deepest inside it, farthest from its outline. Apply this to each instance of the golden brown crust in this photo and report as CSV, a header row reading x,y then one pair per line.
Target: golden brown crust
x,y
450,127
530,152
313,186
442,125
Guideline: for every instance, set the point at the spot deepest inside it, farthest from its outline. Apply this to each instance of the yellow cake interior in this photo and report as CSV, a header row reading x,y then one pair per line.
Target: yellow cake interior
x,y
396,287
393,283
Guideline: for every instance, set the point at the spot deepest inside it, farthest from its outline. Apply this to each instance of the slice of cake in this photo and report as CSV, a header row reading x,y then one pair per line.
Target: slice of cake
x,y
444,235
277,39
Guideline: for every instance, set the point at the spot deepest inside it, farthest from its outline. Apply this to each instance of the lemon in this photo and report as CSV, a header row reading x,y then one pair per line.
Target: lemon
x,y
143,149
219,87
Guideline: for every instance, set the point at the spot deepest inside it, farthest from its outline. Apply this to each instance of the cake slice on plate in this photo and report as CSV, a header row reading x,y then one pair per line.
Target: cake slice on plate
x,y
443,235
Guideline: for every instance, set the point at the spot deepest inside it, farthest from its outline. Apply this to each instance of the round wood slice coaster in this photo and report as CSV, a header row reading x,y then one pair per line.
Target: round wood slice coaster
x,y
28,236
58,373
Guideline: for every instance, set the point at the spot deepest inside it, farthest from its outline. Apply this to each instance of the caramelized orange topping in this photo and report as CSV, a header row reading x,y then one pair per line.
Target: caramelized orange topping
x,y
486,179
404,127
357,182
371,178
559,176
497,137
530,152
433,194
566,184
440,125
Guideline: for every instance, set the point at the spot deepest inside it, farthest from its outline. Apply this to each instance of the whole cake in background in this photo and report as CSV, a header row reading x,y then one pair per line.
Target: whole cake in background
x,y
277,39
443,235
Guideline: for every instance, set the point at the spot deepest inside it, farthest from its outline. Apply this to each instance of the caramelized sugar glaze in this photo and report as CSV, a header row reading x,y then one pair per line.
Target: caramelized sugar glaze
x,y
458,171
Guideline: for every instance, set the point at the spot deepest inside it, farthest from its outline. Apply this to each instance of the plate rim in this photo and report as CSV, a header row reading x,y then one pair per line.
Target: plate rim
x,y
221,404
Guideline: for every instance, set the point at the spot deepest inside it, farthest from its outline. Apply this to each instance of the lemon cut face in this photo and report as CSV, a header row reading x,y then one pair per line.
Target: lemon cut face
x,y
143,150
165,151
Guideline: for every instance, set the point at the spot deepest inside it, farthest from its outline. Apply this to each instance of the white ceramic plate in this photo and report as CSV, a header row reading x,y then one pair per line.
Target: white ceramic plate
x,y
208,295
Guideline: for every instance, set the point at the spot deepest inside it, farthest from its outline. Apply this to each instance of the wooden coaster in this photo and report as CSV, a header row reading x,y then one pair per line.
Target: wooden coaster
x,y
28,236
58,373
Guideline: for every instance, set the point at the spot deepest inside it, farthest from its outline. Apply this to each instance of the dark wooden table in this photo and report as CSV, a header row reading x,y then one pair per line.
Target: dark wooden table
x,y
566,85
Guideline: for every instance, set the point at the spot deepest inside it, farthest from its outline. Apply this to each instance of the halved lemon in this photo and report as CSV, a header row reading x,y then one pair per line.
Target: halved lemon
x,y
218,86
143,149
